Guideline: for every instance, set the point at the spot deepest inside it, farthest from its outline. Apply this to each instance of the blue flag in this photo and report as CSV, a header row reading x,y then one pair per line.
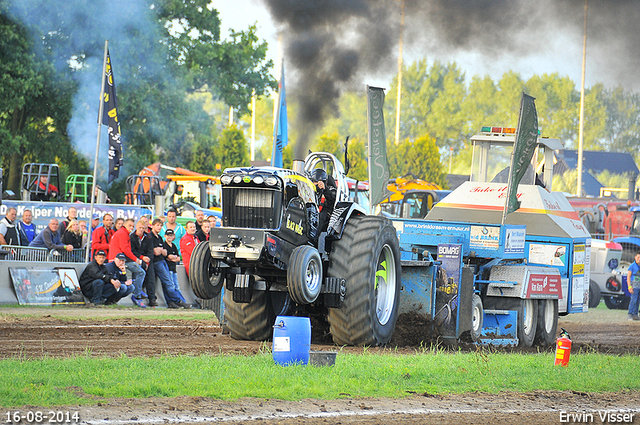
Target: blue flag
x,y
280,136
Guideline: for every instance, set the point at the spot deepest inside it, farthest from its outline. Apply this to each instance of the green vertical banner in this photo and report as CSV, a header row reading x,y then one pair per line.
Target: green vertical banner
x,y
523,149
378,164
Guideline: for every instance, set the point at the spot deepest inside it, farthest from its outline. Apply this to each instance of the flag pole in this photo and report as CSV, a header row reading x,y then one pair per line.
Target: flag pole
x,y
276,124
95,162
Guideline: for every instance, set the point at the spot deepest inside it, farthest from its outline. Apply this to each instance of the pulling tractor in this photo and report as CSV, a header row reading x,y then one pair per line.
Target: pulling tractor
x,y
273,259
469,275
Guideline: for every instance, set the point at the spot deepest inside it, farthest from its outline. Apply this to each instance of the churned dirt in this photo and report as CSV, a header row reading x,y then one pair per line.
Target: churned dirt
x,y
67,331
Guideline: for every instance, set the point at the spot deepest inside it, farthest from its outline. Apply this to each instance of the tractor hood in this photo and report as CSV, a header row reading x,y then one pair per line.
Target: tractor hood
x,y
259,177
544,213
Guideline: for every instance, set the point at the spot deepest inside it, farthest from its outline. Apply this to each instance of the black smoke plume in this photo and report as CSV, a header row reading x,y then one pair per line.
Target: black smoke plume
x,y
333,45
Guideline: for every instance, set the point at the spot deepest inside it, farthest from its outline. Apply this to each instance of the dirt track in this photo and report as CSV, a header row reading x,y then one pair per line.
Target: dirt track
x,y
59,332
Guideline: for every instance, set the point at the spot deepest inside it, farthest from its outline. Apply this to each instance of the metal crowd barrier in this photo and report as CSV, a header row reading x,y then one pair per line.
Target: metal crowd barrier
x,y
27,253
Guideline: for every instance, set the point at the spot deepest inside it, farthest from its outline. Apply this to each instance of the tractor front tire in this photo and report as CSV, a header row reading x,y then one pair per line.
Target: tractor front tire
x,y
304,274
204,275
368,258
249,321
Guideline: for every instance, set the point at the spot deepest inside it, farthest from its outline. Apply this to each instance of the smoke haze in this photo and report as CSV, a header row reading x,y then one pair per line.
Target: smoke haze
x,y
81,28
333,45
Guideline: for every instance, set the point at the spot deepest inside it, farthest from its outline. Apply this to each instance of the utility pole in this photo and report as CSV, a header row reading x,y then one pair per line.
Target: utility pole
x,y
253,125
581,128
399,72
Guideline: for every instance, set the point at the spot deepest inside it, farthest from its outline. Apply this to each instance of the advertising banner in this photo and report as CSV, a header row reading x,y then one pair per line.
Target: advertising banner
x,y
46,286
45,211
447,287
378,164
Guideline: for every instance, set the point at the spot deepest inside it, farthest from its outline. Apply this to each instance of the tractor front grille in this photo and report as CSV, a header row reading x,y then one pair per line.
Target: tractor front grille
x,y
251,207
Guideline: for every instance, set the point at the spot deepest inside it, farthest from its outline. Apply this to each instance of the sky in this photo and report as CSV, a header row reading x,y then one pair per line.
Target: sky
x,y
561,54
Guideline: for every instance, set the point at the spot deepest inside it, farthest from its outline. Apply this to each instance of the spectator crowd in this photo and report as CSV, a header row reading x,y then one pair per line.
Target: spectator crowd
x,y
127,257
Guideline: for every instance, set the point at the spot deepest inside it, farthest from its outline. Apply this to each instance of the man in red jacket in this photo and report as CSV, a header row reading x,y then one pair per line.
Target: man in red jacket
x,y
101,237
121,243
188,243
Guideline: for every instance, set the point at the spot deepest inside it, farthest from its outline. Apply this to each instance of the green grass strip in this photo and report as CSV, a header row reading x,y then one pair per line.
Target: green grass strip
x,y
52,382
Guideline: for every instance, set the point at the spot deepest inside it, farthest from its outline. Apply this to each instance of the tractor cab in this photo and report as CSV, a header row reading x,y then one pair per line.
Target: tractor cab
x,y
40,182
491,157
418,202
334,169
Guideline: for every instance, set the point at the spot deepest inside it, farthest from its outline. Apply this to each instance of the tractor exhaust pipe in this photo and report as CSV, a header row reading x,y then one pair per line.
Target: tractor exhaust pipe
x,y
298,166
632,186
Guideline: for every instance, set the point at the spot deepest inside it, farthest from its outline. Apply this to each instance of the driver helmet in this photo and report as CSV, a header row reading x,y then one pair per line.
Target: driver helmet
x,y
318,175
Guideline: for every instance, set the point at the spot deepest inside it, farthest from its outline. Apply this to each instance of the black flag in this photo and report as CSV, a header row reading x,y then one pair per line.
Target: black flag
x,y
110,119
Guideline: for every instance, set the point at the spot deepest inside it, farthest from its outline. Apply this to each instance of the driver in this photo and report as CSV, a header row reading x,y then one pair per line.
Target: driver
x,y
325,195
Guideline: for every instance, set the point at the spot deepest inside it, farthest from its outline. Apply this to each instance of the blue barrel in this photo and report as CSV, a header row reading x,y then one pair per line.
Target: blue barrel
x,y
291,340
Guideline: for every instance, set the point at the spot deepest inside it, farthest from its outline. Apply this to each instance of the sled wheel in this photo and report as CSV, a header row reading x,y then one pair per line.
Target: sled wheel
x,y
204,274
527,321
617,303
477,317
594,294
304,274
368,258
547,322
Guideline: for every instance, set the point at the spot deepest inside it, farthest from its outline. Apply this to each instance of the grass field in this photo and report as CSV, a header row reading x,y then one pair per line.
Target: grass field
x,y
86,379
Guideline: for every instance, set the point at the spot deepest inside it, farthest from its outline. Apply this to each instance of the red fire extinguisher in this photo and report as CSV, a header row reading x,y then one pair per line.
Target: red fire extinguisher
x,y
563,348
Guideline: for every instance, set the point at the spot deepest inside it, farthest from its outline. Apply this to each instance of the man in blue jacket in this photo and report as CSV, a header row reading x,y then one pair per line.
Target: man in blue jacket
x,y
50,238
633,284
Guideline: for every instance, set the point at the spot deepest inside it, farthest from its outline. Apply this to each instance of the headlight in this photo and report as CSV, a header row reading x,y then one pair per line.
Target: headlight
x,y
271,181
226,179
237,178
258,180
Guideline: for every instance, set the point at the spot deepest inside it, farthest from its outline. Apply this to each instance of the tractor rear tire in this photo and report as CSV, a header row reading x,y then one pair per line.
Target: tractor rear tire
x,y
204,276
594,294
304,274
368,258
547,322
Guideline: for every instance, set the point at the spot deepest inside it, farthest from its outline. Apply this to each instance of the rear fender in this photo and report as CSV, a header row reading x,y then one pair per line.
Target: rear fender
x,y
342,212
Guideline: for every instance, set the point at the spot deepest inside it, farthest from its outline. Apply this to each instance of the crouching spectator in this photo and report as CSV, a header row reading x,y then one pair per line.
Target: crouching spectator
x,y
105,284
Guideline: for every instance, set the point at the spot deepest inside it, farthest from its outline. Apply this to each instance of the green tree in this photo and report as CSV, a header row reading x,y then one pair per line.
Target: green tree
x,y
205,156
557,103
420,158
157,66
622,132
232,148
231,69
35,103
432,103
